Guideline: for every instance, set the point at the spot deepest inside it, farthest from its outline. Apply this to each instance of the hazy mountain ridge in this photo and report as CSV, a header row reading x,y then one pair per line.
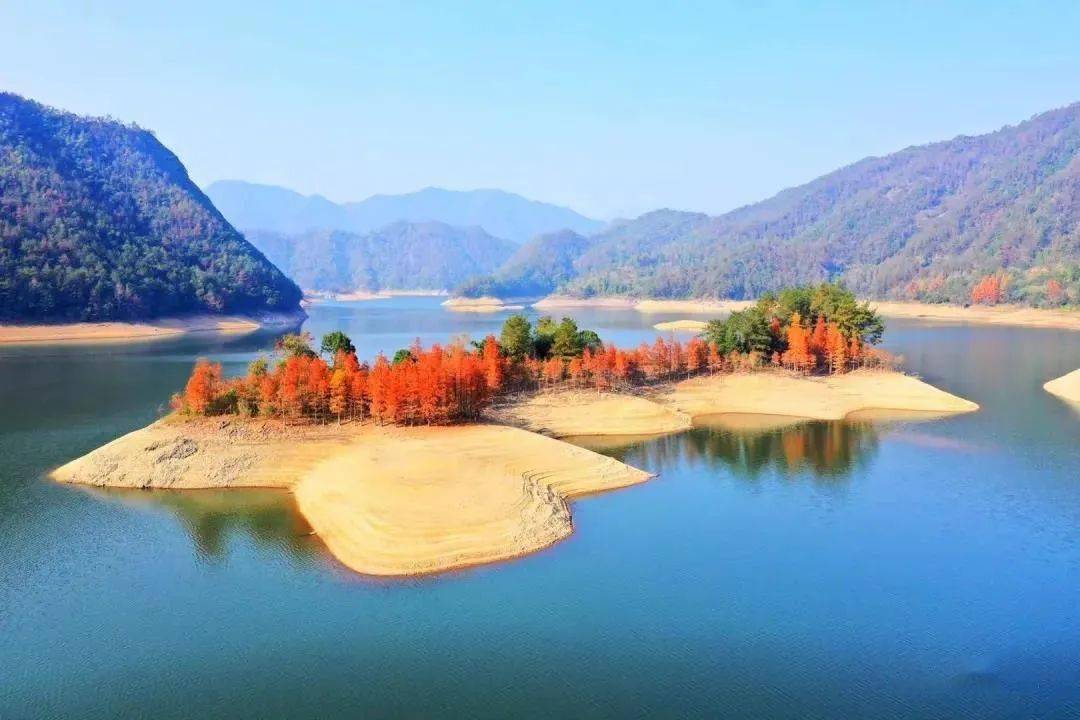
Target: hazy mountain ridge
x,y
402,255
265,207
99,221
924,223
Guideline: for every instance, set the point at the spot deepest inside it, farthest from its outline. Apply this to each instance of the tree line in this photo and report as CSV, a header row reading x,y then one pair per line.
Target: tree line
x,y
807,330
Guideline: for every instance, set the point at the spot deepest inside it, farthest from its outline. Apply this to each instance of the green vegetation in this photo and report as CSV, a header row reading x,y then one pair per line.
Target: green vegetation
x,y
824,317
335,342
547,339
928,223
99,221
536,269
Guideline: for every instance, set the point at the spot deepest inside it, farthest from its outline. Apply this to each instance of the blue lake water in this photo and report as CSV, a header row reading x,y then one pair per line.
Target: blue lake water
x,y
891,569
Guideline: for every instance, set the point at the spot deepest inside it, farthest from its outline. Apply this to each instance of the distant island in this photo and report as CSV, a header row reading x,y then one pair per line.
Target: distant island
x,y
382,457
100,222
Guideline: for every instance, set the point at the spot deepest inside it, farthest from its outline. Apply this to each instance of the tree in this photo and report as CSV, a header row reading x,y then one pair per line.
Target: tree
x,y
335,342
566,340
339,393
798,352
202,386
295,345
990,290
493,364
516,337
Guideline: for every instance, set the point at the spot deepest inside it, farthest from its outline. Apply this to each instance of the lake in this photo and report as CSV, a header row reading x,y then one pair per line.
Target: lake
x,y
888,568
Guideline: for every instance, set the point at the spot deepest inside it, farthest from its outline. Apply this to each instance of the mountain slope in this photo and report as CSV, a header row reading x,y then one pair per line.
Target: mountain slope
x,y
537,268
99,221
923,223
265,207
413,256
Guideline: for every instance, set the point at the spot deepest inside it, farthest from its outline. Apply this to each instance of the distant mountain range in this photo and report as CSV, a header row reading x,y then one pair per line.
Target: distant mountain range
x,y
99,221
249,206
925,223
401,256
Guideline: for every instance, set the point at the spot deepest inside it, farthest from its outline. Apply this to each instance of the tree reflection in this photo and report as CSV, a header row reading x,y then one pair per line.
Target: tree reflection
x,y
826,450
268,517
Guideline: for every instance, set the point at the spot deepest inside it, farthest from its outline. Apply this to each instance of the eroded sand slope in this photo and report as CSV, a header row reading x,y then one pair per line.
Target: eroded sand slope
x,y
1066,387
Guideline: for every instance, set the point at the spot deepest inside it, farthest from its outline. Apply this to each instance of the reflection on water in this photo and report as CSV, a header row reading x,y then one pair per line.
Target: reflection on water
x,y
749,446
212,517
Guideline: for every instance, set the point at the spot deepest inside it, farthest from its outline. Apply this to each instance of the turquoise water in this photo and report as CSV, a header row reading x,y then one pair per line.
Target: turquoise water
x,y
890,569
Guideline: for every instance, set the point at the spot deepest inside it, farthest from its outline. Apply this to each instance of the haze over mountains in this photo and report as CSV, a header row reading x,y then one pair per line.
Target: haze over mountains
x,y
400,256
99,221
925,223
250,206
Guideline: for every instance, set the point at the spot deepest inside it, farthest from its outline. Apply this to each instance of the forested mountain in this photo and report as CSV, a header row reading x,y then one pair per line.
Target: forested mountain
x,y
402,255
924,223
99,221
265,207
537,268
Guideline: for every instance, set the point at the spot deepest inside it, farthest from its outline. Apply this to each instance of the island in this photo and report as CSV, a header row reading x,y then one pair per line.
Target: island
x,y
447,457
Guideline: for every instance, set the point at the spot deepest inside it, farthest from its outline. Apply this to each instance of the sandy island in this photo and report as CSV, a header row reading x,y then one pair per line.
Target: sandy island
x,y
484,304
150,330
407,501
681,325
385,501
1066,387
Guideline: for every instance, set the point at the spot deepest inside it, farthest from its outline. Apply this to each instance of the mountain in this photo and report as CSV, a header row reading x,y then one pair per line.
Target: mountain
x,y
537,268
925,223
265,207
402,255
99,221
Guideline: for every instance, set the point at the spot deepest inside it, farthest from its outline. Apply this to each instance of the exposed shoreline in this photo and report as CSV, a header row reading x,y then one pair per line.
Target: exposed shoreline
x,y
407,501
109,332
1066,387
980,314
764,394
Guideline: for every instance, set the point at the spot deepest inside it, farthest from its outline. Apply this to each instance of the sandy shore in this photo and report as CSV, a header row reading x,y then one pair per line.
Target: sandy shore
x,y
152,330
681,325
585,412
830,397
1066,387
983,314
430,499
386,501
734,401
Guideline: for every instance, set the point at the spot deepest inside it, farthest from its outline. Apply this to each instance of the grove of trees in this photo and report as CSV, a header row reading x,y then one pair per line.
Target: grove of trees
x,y
807,330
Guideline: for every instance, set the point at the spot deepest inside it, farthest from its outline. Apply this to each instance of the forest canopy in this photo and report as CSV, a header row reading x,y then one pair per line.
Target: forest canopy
x,y
99,221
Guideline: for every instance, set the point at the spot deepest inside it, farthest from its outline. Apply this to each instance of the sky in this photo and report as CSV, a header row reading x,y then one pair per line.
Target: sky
x,y
611,108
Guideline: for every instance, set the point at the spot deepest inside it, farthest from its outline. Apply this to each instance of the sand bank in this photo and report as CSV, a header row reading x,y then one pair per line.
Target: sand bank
x,y
484,304
424,500
586,412
831,397
684,325
733,401
1066,387
983,314
150,330
386,501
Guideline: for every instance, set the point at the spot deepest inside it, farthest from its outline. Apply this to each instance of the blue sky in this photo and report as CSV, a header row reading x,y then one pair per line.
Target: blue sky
x,y
612,108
